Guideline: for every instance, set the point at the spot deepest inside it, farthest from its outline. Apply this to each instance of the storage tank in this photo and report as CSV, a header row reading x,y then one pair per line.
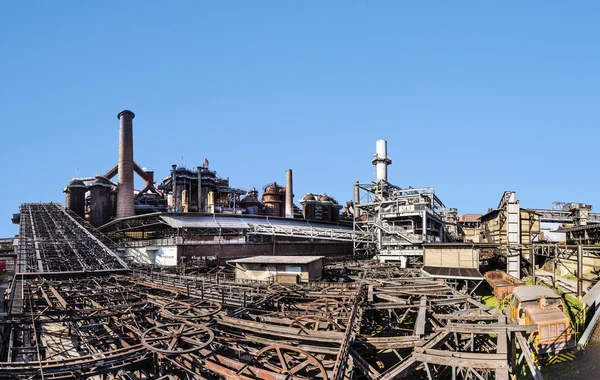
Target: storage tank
x,y
309,205
326,204
251,202
100,193
75,197
271,200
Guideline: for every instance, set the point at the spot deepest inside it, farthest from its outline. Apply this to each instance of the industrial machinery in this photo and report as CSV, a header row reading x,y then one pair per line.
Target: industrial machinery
x,y
540,306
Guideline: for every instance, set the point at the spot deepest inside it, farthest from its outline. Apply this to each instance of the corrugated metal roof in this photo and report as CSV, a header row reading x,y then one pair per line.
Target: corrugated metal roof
x,y
210,221
469,217
453,272
534,292
277,260
180,221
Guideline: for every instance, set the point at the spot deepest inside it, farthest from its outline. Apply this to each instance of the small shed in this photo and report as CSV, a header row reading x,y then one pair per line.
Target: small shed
x,y
282,269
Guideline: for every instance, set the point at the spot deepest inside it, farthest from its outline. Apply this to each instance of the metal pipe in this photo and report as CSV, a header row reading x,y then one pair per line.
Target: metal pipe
x,y
125,190
174,184
289,194
579,271
199,188
356,200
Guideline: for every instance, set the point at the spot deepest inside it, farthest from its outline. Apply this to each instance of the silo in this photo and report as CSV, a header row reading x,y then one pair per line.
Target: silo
x,y
75,197
100,192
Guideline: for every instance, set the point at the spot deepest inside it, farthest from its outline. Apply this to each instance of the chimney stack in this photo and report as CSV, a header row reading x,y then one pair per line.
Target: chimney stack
x,y
355,208
289,194
381,160
125,190
174,184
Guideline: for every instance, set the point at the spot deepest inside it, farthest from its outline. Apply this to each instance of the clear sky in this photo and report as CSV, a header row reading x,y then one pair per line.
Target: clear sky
x,y
474,98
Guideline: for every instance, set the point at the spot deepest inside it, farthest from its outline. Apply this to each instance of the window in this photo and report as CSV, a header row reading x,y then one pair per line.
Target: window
x,y
553,334
544,334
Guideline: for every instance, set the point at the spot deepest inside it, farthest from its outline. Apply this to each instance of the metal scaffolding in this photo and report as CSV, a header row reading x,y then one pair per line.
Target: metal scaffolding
x,y
77,320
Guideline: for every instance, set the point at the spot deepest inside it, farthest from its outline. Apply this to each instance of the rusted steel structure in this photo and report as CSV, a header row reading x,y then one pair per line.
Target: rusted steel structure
x,y
382,323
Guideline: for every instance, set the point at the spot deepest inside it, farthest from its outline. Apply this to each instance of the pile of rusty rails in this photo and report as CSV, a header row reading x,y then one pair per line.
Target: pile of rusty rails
x,y
84,320
137,327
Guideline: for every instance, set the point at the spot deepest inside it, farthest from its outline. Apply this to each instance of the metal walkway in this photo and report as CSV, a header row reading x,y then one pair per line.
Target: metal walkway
x,y
51,241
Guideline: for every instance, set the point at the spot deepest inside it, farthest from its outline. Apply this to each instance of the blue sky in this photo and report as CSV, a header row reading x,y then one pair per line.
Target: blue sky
x,y
474,98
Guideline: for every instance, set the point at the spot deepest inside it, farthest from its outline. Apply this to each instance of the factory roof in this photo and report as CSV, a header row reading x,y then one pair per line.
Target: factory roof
x,y
469,217
533,292
277,260
240,222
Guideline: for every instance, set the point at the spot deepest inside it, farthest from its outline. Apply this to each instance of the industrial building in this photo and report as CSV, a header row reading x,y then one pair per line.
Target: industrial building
x,y
195,278
402,219
77,310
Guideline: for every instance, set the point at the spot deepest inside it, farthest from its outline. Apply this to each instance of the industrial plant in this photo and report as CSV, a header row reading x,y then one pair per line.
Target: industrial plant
x,y
193,278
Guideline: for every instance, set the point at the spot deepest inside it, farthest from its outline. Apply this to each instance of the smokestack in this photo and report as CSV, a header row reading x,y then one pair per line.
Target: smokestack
x,y
125,189
174,184
355,209
199,188
289,194
381,160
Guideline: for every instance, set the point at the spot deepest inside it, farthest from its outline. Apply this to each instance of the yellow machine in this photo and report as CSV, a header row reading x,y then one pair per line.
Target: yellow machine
x,y
540,306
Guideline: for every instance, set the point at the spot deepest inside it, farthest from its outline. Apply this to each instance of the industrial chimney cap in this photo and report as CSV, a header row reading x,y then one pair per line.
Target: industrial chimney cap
x,y
125,112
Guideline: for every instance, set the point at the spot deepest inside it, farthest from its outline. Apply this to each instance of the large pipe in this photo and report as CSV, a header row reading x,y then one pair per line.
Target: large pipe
x,y
289,194
174,184
199,188
355,209
381,160
125,189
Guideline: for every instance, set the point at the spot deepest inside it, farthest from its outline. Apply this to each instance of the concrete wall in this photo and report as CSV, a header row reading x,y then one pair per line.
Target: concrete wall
x,y
452,256
269,272
165,255
232,251
497,228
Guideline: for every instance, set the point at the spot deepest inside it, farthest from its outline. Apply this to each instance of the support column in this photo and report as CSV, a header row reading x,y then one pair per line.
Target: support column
x,y
289,194
174,184
200,189
355,209
579,271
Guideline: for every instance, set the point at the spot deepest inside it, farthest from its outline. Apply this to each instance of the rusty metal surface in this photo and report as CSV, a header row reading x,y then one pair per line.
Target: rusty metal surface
x,y
382,323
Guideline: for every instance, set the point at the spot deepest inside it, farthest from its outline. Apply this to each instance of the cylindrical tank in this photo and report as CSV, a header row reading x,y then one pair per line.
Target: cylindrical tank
x,y
100,190
325,208
250,203
75,197
335,210
289,194
211,202
271,200
185,205
125,205
308,203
